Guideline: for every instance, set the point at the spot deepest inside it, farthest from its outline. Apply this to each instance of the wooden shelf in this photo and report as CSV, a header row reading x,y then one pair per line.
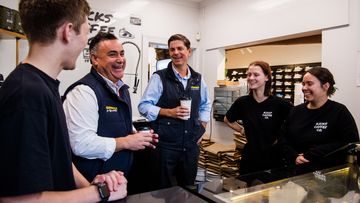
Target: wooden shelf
x,y
5,34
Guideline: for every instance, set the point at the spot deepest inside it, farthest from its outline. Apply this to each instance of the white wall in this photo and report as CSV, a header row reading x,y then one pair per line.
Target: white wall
x,y
232,22
341,48
213,69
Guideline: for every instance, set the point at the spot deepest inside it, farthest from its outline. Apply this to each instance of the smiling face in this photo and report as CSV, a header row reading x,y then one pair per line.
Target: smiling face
x,y
256,78
179,53
313,90
109,60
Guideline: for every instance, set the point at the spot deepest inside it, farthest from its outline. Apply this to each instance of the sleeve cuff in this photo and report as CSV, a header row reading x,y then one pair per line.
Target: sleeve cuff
x,y
110,148
204,116
153,113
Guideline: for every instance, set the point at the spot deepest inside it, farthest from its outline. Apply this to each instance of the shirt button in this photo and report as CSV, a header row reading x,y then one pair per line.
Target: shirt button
x,y
186,131
184,149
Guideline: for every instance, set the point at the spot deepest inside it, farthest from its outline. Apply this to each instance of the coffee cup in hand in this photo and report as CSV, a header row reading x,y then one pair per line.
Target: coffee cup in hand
x,y
187,104
144,129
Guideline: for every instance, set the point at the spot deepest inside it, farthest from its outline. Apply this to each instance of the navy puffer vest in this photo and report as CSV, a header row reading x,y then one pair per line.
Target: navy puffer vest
x,y
178,134
114,121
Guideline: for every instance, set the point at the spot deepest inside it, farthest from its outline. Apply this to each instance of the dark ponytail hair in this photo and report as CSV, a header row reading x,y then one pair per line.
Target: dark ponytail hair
x,y
324,76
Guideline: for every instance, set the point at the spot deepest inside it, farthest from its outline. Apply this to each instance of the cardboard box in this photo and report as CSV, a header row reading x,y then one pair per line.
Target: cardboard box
x,y
227,83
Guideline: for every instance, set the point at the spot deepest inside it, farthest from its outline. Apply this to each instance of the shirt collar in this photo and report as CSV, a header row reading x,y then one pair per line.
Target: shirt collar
x,y
177,74
114,86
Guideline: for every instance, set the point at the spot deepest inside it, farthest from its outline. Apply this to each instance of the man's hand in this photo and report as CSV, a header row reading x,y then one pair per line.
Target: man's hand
x,y
116,182
177,112
120,193
301,159
113,180
137,141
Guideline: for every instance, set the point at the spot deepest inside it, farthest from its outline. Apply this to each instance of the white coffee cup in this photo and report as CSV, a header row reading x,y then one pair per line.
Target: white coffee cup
x,y
144,129
187,104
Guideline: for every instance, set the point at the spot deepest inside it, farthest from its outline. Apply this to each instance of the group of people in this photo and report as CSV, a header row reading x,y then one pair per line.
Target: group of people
x,y
304,138
79,147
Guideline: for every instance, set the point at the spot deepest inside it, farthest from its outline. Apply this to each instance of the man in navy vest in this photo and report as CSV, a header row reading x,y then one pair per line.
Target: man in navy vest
x,y
178,149
98,113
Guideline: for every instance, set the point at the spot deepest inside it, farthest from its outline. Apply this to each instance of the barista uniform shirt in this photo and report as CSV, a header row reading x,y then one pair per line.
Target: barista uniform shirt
x,y
261,121
317,132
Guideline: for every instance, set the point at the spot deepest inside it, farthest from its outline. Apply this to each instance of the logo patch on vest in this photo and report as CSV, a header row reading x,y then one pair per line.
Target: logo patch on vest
x,y
195,87
110,109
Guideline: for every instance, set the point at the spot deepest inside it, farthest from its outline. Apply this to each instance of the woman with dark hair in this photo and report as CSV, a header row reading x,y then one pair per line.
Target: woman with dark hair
x,y
320,126
262,116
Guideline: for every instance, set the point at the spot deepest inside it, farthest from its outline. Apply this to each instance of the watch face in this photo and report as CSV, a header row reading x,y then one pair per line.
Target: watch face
x,y
103,191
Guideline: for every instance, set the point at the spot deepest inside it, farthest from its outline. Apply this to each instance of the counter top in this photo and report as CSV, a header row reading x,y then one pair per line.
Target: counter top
x,y
169,195
337,184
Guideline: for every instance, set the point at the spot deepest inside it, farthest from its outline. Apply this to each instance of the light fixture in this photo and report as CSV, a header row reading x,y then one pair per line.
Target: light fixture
x,y
268,4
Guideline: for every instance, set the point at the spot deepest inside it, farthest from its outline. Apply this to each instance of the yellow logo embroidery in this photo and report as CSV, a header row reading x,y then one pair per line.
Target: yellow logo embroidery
x,y
111,108
195,87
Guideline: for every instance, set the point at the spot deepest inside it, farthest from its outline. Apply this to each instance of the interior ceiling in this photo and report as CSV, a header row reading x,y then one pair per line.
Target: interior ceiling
x,y
312,39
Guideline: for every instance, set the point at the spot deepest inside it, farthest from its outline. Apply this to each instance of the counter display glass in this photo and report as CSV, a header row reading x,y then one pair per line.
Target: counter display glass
x,y
338,184
174,194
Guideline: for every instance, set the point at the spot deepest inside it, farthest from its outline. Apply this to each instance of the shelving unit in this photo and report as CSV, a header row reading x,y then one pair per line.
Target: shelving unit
x,y
224,97
284,78
5,34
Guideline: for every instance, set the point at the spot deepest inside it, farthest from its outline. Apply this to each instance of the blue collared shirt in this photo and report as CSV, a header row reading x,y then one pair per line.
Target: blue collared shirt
x,y
147,106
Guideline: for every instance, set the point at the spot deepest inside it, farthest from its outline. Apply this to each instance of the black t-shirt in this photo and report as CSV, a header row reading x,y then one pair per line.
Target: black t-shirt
x,y
35,152
261,121
317,132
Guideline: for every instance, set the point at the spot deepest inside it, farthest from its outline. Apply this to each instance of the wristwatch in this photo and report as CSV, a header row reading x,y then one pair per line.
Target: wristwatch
x,y
103,191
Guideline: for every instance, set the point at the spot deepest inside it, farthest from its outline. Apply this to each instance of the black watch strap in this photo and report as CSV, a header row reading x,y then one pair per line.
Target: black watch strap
x,y
104,191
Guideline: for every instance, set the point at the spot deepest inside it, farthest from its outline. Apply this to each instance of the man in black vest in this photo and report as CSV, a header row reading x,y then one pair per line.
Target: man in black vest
x,y
178,150
98,113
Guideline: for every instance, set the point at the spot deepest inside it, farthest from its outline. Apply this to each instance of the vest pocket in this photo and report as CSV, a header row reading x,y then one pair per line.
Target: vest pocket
x,y
170,131
198,130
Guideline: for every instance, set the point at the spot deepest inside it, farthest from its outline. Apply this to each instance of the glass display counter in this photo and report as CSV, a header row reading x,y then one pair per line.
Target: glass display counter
x,y
338,184
169,195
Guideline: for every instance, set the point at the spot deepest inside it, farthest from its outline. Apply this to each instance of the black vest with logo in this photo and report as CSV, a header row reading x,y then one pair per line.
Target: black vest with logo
x,y
114,121
178,134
